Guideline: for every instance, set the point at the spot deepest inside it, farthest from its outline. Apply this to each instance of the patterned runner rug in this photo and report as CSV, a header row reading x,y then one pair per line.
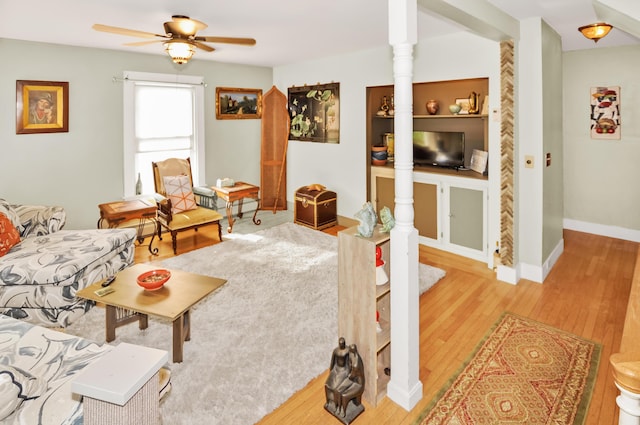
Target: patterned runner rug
x,y
524,372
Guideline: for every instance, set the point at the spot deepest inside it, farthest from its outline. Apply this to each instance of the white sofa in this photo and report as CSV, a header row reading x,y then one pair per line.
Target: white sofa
x,y
36,368
40,275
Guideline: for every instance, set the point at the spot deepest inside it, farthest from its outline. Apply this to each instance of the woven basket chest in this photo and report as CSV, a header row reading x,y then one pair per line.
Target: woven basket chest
x,y
315,208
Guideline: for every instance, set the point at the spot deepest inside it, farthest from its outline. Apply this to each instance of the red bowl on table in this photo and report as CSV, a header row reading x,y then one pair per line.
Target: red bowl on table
x,y
153,279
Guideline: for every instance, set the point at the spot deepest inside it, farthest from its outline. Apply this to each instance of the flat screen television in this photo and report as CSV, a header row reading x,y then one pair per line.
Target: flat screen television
x,y
441,148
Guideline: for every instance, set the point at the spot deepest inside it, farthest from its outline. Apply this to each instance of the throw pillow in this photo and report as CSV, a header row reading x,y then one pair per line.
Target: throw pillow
x,y
179,190
9,235
17,386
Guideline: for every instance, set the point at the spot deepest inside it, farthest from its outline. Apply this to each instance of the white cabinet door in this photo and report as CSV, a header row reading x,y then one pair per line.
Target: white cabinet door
x,y
466,219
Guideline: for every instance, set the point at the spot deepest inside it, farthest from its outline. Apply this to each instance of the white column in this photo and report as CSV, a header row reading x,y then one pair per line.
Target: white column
x,y
405,387
629,404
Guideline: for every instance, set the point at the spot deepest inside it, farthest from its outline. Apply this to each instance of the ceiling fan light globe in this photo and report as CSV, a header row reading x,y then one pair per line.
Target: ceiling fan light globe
x,y
179,51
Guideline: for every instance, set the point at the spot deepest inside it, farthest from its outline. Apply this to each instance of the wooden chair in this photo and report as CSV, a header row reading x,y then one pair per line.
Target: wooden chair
x,y
178,222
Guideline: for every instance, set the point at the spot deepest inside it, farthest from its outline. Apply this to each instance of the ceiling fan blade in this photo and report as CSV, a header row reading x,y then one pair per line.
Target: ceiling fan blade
x,y
203,46
144,43
229,40
125,31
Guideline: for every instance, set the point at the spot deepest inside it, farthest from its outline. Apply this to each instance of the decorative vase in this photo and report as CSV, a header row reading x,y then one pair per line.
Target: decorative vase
x,y
379,155
139,186
455,108
432,106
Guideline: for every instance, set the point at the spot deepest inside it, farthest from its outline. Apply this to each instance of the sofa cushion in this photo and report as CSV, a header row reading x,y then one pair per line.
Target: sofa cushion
x,y
9,211
9,235
54,357
57,258
179,190
16,386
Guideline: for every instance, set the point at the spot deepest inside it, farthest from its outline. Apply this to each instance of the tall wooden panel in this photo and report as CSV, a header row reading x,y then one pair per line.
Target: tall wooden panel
x,y
275,136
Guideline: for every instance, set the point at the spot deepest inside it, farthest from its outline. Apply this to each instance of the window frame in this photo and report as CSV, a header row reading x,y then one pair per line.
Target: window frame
x,y
130,79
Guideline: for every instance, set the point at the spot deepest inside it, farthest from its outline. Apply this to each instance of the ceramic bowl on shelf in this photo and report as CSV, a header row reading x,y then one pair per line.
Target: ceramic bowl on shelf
x,y
379,155
153,279
454,109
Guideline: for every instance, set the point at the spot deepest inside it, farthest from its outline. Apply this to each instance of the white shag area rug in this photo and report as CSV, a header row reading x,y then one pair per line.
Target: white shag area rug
x,y
258,339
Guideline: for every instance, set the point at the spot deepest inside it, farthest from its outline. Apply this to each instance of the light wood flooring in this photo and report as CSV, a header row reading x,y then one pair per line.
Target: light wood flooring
x,y
586,293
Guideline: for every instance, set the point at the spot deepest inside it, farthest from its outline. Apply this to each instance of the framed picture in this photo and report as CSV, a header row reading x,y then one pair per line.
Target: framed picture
x,y
478,161
315,113
42,107
605,113
464,105
233,104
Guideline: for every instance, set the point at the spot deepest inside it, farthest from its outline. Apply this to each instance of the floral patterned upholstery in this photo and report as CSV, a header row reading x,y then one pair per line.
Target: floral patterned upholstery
x,y
52,357
40,276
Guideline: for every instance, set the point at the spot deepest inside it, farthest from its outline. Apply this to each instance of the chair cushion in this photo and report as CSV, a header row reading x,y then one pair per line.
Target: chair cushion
x,y
9,235
192,218
179,190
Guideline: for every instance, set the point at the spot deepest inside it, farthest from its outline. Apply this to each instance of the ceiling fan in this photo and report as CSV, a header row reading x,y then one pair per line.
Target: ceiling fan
x,y
180,39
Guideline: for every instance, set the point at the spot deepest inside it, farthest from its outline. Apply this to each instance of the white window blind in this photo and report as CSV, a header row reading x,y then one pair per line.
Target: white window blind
x,y
162,120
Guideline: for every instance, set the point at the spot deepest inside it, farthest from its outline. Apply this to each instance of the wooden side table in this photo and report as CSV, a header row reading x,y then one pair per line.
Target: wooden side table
x,y
116,213
238,192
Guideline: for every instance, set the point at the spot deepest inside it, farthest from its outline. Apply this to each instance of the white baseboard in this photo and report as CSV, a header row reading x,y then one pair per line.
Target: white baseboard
x,y
508,274
602,230
538,274
529,271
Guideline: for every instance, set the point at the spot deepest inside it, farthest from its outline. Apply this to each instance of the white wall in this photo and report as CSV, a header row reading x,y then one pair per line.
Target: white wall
x,y
601,176
84,167
343,167
539,131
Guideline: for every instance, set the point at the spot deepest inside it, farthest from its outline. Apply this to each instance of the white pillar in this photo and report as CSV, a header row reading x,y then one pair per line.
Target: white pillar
x,y
404,387
629,404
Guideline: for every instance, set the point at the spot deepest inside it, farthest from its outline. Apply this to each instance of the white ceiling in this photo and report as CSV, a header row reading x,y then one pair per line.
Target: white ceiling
x,y
287,31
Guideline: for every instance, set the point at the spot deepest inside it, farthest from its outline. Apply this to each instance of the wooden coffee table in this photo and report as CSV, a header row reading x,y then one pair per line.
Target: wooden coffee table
x,y
238,192
130,303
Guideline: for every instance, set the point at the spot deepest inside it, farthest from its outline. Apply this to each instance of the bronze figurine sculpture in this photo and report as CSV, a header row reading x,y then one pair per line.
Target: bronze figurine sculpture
x,y
345,384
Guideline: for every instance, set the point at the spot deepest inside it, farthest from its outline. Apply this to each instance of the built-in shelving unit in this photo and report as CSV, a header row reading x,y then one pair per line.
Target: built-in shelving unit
x,y
474,126
359,298
450,205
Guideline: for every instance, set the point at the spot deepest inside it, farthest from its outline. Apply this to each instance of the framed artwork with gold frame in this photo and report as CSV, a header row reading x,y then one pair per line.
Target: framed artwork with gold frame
x,y
42,107
233,104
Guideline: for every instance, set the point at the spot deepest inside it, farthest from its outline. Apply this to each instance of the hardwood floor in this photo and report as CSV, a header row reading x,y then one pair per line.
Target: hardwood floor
x,y
586,293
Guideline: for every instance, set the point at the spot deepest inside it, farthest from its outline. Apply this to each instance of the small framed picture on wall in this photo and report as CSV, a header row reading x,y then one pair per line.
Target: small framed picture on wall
x,y
605,113
42,107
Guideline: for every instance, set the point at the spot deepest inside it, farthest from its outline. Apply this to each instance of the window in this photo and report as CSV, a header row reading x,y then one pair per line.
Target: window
x,y
163,118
